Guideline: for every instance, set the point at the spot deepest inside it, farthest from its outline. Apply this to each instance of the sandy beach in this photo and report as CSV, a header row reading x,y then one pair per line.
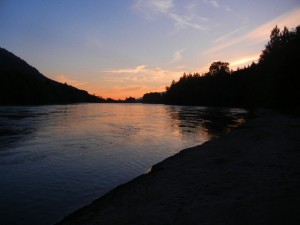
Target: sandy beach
x,y
250,176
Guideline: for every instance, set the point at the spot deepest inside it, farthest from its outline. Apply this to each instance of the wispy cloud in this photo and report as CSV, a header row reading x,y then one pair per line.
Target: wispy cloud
x,y
217,4
185,21
260,34
168,8
130,88
229,34
150,8
177,56
142,74
136,81
162,5
214,3
136,70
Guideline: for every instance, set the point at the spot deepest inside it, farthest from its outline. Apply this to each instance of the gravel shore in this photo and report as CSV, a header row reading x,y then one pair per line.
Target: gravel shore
x,y
250,176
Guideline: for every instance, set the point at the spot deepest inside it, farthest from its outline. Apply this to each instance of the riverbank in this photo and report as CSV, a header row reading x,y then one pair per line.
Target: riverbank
x,y
250,176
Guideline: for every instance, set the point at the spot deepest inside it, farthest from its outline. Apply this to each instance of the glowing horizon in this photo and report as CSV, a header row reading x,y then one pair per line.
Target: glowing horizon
x,y
121,49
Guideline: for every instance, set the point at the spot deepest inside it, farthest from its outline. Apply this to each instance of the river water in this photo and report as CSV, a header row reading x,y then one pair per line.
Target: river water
x,y
56,159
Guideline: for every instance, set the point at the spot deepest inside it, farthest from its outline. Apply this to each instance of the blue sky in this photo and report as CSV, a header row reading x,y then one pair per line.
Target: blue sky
x,y
129,47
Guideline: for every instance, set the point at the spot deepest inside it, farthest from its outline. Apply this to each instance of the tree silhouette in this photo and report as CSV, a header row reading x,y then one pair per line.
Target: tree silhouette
x,y
153,98
130,100
273,82
219,67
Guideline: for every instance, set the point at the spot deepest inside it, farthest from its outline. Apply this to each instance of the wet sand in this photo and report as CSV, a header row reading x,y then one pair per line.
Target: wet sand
x,y
250,176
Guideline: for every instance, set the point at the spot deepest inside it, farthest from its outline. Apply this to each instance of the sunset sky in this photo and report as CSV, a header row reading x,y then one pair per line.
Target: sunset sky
x,y
122,48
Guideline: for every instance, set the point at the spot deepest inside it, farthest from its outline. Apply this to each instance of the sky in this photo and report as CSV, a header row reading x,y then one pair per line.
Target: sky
x,y
122,48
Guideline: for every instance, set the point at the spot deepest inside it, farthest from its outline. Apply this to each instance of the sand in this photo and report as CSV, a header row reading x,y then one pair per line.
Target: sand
x,y
250,176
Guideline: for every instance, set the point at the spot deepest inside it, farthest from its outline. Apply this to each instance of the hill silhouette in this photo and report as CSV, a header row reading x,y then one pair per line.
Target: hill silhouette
x,y
22,84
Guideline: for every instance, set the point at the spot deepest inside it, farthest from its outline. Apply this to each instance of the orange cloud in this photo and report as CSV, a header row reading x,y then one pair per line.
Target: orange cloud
x,y
136,70
122,92
128,88
136,81
244,61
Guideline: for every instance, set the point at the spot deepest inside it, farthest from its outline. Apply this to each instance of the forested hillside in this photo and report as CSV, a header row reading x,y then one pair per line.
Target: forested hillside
x,y
272,82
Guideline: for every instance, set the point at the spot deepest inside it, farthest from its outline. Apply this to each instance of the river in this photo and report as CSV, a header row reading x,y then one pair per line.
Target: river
x,y
56,159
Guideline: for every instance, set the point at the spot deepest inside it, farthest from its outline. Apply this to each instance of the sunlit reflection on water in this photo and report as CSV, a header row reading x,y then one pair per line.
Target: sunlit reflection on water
x,y
55,159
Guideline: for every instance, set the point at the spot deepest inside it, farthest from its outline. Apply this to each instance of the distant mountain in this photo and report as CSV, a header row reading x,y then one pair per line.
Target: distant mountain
x,y
22,84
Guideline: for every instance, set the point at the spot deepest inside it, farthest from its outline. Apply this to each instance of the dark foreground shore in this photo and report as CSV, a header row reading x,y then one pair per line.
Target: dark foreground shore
x,y
251,176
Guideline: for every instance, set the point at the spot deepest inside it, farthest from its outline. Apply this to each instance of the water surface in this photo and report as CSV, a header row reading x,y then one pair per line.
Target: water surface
x,y
56,159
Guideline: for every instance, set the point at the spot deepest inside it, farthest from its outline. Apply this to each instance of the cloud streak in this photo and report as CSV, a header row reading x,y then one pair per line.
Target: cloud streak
x,y
177,56
130,88
136,81
162,5
136,70
245,60
258,35
227,35
216,4
168,8
143,74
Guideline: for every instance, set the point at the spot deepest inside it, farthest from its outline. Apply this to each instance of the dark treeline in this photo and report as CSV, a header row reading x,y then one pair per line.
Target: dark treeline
x,y
273,82
153,98
23,84
127,100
